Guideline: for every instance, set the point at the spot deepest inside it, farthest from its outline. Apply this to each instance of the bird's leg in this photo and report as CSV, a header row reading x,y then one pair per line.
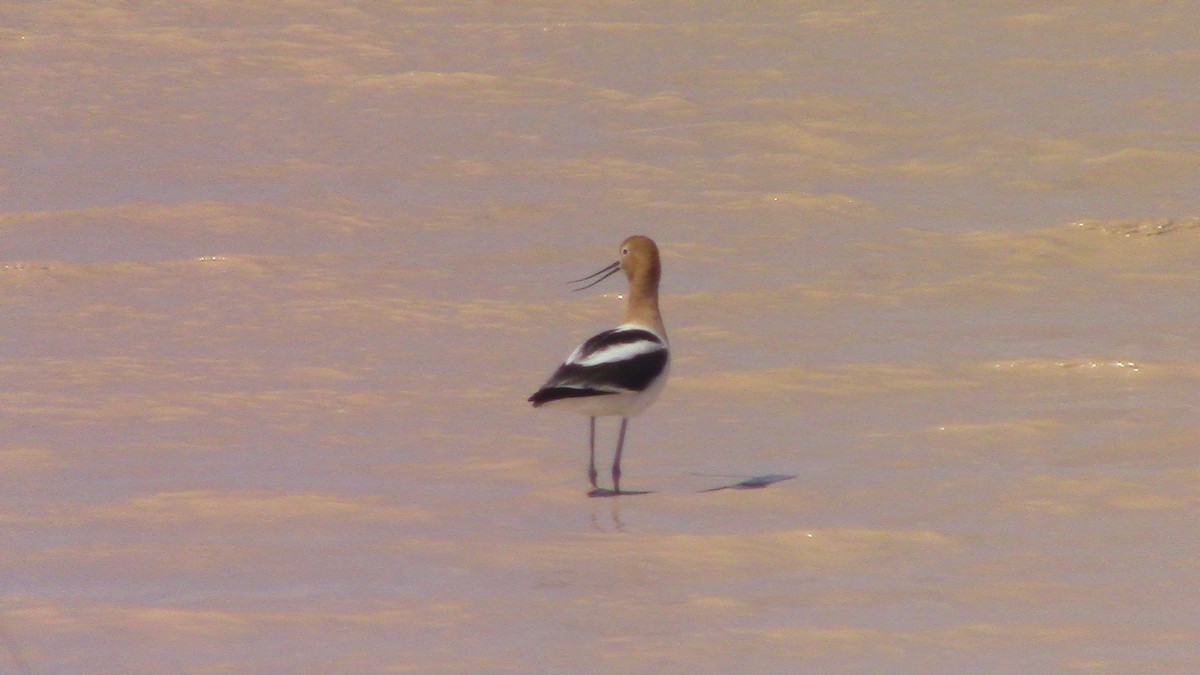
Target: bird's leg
x,y
616,467
592,452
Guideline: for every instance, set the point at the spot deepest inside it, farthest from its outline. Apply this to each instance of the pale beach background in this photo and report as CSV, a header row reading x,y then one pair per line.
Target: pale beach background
x,y
276,279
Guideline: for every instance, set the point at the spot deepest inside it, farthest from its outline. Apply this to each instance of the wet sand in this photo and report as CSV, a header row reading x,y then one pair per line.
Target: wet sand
x,y
277,280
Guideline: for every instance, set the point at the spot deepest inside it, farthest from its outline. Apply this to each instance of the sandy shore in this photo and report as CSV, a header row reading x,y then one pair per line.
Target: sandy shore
x,y
277,280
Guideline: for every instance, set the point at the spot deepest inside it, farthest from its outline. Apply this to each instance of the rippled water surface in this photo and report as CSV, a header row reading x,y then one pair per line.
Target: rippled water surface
x,y
276,280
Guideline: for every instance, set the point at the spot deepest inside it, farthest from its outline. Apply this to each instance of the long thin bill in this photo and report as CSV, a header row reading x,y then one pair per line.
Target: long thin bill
x,y
606,272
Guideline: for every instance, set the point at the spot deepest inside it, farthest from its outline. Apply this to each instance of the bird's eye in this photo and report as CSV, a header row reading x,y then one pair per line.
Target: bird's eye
x,y
624,251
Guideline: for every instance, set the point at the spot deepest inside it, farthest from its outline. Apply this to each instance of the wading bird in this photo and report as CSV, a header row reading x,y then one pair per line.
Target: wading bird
x,y
621,371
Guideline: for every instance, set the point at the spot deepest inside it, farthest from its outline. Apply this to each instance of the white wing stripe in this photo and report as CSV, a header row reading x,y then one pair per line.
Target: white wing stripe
x,y
619,352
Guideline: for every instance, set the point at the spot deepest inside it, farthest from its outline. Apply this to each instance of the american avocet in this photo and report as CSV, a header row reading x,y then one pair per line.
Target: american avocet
x,y
620,371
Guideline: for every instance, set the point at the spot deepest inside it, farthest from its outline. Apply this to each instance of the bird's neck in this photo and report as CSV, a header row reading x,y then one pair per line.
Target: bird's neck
x,y
642,306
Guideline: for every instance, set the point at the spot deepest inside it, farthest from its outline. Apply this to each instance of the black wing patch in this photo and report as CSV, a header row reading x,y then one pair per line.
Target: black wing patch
x,y
605,378
547,394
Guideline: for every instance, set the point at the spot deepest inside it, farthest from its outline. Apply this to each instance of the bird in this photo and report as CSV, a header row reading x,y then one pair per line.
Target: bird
x,y
621,371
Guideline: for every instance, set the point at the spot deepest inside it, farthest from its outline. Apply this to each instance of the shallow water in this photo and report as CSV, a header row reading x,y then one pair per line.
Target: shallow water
x,y
277,281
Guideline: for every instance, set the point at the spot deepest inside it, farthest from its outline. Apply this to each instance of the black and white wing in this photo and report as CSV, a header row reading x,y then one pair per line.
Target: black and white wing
x,y
624,360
